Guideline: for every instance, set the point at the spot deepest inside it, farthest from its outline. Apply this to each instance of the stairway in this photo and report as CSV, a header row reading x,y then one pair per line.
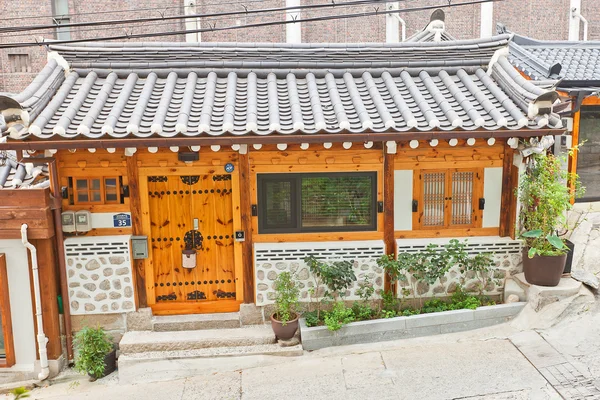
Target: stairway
x,y
180,346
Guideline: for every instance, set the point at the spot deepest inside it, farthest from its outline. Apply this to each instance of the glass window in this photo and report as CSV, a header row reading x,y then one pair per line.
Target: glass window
x,y
447,198
317,202
97,190
588,159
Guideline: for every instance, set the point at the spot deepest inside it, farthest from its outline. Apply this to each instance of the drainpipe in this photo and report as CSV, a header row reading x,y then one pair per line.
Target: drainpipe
x,y
293,32
41,337
486,24
391,25
575,14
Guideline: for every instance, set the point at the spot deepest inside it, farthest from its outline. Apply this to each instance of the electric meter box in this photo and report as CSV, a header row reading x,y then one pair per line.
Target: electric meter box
x,y
139,247
83,221
68,221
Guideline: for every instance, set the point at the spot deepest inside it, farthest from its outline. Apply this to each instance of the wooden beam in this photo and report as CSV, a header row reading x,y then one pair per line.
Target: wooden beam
x,y
246,216
49,287
139,273
574,142
6,320
388,211
508,194
19,198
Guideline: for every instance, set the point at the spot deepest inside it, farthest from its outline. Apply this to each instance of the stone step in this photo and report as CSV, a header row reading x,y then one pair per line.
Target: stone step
x,y
147,341
194,322
168,365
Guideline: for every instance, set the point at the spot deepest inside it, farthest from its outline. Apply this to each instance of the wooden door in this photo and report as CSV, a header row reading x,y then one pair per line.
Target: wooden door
x,y
192,213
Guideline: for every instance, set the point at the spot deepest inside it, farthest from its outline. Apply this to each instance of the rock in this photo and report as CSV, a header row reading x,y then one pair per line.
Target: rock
x,y
438,289
100,297
452,287
75,305
90,307
470,275
71,273
259,298
266,266
78,266
271,296
586,278
102,260
260,275
127,305
116,284
114,306
378,281
95,277
122,271
83,276
90,286
92,265
140,320
116,260
82,295
126,280
104,307
513,298
128,291
115,295
262,287
303,274
364,267
499,274
422,288
74,284
105,285
272,275
107,271
70,262
281,266
294,267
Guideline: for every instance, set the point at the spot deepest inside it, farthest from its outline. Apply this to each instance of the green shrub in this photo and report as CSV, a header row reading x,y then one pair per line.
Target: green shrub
x,y
339,316
92,345
286,298
362,312
312,318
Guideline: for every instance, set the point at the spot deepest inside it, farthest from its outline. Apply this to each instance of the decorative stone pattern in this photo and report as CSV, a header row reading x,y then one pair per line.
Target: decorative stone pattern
x,y
270,259
507,257
99,275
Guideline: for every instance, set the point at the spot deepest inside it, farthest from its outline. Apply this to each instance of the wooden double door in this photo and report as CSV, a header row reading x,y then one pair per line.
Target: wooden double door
x,y
191,216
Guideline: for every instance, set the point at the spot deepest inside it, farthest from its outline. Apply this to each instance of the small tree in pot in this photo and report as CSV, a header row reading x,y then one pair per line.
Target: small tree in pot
x,y
545,199
284,320
95,353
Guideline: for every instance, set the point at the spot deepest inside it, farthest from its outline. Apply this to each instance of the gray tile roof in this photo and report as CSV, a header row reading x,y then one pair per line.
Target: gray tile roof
x,y
166,90
435,31
14,175
571,62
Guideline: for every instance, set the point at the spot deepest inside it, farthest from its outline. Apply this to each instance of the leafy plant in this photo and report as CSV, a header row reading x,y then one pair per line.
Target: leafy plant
x,y
311,318
365,290
337,276
286,298
545,198
362,311
92,345
20,393
339,316
481,264
390,303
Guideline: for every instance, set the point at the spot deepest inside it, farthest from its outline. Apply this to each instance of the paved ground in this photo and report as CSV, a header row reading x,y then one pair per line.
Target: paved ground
x,y
505,362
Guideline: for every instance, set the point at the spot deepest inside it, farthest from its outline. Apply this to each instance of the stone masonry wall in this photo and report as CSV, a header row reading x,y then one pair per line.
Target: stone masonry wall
x,y
507,258
99,275
270,259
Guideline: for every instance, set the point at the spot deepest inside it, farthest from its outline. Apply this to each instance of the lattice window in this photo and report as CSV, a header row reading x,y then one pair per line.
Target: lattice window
x,y
19,63
447,198
100,190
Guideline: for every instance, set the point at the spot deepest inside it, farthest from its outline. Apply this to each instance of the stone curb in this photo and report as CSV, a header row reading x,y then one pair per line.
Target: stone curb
x,y
315,338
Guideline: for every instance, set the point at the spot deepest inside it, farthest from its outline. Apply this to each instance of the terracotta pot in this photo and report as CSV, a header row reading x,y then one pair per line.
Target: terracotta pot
x,y
284,332
110,365
543,270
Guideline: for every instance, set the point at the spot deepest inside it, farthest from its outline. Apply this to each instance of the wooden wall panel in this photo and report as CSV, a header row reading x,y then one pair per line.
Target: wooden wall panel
x,y
31,207
246,221
139,273
6,321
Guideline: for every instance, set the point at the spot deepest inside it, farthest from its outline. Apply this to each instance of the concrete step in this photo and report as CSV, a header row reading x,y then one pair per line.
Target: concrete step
x,y
193,322
148,341
168,365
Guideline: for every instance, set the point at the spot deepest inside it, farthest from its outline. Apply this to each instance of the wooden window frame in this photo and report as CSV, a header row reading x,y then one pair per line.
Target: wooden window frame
x,y
75,191
296,202
6,321
476,221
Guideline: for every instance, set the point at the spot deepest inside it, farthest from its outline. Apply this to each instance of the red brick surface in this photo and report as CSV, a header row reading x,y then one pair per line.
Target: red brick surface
x,y
542,19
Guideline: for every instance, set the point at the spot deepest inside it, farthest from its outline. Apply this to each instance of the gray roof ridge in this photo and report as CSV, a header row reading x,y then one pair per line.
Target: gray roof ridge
x,y
519,52
526,41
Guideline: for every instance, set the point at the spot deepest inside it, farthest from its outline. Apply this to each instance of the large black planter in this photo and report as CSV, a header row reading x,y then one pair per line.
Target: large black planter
x,y
571,247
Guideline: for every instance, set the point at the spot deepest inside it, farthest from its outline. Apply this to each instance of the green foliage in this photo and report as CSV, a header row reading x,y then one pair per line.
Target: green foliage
x,y
312,318
481,264
362,312
20,393
286,298
339,316
92,345
365,290
390,302
545,198
337,276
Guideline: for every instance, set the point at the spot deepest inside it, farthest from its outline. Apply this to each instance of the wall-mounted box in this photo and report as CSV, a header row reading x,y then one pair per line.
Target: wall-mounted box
x,y
139,247
83,221
68,221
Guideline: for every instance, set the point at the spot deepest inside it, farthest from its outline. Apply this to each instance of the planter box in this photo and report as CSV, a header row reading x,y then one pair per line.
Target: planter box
x,y
378,330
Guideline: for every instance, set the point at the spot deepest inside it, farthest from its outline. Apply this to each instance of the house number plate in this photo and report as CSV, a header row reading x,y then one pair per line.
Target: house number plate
x,y
121,220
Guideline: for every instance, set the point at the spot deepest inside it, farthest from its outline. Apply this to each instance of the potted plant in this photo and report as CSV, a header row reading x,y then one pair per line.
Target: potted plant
x,y
95,353
284,320
545,192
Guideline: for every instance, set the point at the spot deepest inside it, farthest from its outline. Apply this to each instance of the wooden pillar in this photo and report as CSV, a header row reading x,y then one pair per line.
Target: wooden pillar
x,y
574,142
246,213
49,287
508,200
388,209
135,204
5,318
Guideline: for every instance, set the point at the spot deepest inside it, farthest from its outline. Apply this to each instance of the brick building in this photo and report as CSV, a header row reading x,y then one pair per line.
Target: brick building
x,y
542,19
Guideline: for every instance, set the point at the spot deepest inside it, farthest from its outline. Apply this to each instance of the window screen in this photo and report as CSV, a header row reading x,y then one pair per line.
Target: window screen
x,y
434,190
317,202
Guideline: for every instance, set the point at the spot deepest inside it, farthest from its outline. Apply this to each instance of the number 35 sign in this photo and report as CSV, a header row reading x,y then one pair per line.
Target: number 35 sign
x,y
121,220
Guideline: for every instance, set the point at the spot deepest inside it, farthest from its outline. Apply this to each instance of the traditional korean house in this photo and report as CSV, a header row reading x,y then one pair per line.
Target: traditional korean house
x,y
576,67
30,338
191,175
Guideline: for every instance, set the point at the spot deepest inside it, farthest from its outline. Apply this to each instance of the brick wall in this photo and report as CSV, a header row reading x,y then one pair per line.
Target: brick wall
x,y
543,19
